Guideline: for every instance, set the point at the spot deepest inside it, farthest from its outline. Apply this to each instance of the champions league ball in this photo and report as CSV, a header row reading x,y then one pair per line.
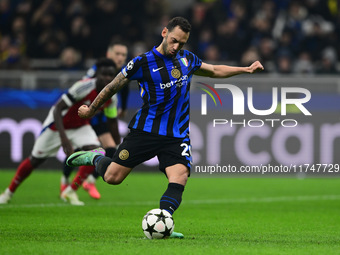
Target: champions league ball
x,y
158,224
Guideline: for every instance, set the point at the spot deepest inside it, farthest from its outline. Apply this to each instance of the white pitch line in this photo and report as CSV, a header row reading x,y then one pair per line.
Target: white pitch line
x,y
189,202
265,199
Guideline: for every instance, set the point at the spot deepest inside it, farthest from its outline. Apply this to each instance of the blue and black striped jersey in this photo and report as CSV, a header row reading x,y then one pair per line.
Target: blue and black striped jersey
x,y
164,85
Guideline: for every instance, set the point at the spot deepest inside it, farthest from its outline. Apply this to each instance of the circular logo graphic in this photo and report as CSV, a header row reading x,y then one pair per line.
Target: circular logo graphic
x,y
124,154
129,65
176,73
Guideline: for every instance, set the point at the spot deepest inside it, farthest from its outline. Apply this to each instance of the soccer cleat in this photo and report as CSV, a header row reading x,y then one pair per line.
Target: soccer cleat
x,y
177,235
6,196
91,189
69,195
84,158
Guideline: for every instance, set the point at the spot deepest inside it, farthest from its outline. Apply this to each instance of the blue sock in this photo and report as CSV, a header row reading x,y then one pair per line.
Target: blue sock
x,y
101,163
172,197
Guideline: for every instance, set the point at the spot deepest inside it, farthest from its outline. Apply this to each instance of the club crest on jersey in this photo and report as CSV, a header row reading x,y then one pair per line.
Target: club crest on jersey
x,y
124,154
185,61
175,73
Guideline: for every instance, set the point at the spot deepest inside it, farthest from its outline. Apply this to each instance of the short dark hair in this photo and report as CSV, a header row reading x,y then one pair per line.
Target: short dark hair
x,y
183,23
105,62
117,42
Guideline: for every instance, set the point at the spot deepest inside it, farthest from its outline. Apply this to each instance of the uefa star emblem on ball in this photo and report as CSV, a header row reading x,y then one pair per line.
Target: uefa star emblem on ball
x,y
124,154
176,73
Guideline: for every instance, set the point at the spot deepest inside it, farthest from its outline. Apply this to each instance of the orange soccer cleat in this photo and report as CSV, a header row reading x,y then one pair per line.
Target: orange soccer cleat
x,y
91,189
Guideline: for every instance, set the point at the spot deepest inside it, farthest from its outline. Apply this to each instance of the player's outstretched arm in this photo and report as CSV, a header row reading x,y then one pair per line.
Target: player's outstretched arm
x,y
110,89
224,71
58,120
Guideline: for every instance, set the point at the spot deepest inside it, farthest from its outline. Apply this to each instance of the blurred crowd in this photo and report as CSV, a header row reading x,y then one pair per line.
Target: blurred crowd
x,y
288,36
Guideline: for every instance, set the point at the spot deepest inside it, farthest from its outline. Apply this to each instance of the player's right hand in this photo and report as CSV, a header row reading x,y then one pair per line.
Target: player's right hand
x,y
84,112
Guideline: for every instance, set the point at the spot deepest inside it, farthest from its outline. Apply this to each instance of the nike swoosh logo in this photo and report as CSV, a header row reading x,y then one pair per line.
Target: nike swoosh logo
x,y
155,70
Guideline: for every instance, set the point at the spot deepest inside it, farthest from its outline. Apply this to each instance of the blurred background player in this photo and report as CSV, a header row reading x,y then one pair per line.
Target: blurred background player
x,y
118,52
102,121
63,127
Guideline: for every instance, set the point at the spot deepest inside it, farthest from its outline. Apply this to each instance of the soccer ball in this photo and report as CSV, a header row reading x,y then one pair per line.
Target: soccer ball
x,y
158,224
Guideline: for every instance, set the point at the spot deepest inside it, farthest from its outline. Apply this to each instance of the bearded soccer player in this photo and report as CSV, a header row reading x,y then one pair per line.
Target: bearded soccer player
x,y
161,127
63,127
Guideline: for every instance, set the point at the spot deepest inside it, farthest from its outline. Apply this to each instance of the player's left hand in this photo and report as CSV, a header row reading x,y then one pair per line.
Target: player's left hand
x,y
255,67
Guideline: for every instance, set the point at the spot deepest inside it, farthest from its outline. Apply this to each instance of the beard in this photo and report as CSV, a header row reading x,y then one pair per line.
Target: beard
x,y
166,49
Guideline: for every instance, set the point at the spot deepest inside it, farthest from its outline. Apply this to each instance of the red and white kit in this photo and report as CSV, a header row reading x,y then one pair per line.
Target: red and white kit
x,y
78,131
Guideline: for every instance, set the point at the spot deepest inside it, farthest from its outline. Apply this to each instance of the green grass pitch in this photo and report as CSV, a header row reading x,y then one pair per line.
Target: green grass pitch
x,y
217,216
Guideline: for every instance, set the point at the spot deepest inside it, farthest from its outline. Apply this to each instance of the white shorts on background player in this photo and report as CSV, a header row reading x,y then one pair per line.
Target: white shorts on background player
x,y
48,143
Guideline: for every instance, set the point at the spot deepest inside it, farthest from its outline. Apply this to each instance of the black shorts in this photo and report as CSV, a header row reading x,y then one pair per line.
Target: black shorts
x,y
99,124
139,146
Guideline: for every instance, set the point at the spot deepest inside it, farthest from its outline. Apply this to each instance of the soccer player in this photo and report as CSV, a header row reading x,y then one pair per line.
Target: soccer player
x,y
108,138
63,127
161,127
